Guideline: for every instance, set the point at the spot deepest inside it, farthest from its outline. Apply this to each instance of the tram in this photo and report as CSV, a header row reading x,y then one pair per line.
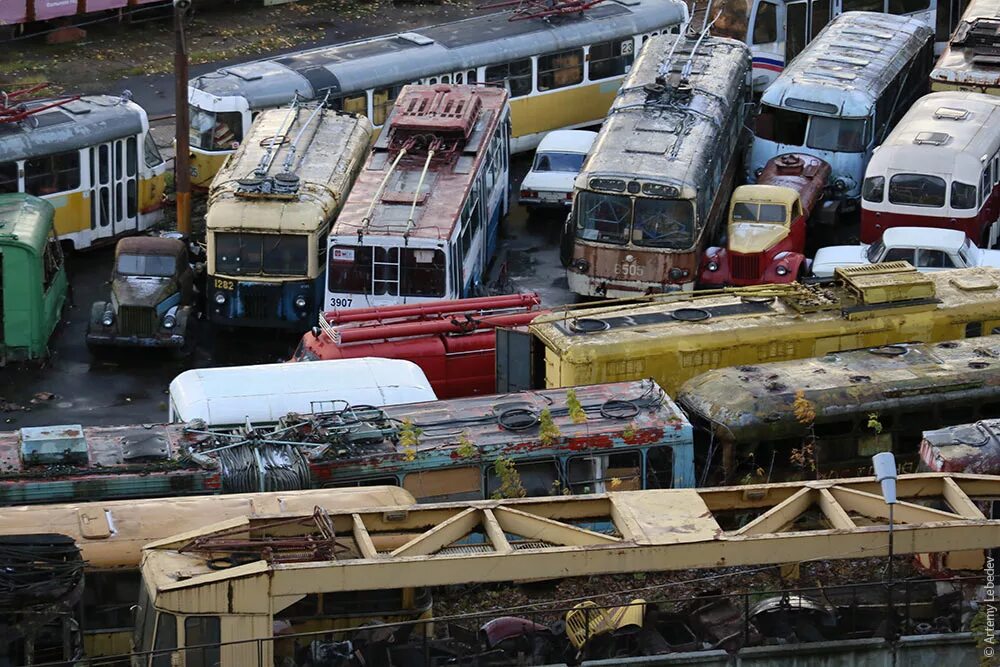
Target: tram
x,y
91,157
969,61
422,221
842,95
672,338
940,167
654,188
560,72
269,214
862,402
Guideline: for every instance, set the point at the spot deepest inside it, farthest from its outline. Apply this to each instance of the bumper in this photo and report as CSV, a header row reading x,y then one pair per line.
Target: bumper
x,y
170,341
611,289
535,202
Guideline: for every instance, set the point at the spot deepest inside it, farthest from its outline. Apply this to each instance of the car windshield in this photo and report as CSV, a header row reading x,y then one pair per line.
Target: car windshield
x,y
255,254
570,162
157,266
875,251
753,212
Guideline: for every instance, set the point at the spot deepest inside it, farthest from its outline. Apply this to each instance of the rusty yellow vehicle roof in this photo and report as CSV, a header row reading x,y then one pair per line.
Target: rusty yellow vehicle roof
x,y
587,333
765,194
326,159
757,401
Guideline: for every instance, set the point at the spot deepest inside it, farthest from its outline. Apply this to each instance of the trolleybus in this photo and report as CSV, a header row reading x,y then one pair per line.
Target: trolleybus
x,y
655,185
842,95
863,402
269,214
561,72
423,219
92,158
940,167
673,338
970,60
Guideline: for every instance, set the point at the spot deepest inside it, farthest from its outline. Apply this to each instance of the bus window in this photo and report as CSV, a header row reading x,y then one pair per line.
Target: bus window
x,y
842,135
369,481
8,177
382,100
963,195
470,76
53,261
863,6
820,17
422,272
782,126
166,639
603,218
795,29
356,104
659,468
985,187
908,6
517,76
610,59
873,189
52,173
201,631
445,484
537,478
663,223
765,26
917,190
558,70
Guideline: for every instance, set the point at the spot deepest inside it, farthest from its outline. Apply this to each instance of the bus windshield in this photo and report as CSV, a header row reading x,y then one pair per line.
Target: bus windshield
x,y
390,271
657,223
158,266
827,133
210,130
261,254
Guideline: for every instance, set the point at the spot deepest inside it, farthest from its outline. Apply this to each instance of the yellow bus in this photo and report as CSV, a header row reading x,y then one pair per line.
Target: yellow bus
x,y
93,159
672,338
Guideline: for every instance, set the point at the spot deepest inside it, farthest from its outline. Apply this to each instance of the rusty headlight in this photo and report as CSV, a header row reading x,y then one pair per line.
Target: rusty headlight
x,y
581,265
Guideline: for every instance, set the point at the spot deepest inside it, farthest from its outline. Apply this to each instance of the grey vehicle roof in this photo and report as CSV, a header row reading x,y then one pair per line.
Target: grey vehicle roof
x,y
399,58
852,60
85,122
673,142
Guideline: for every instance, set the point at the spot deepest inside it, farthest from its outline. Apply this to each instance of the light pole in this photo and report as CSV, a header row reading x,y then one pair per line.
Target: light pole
x,y
182,165
885,473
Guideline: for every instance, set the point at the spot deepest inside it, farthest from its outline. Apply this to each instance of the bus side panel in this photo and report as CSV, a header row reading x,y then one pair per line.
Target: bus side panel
x,y
247,654
20,302
585,105
72,217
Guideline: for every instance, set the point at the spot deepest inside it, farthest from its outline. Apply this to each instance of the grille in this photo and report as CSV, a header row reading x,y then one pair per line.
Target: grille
x,y
137,320
745,267
260,302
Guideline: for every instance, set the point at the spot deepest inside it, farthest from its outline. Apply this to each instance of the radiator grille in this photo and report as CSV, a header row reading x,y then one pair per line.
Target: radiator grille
x,y
137,320
260,302
745,267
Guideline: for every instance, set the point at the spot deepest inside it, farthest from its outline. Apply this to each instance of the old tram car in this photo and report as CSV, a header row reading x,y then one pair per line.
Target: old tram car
x,y
940,167
655,185
766,229
91,157
560,73
270,211
422,221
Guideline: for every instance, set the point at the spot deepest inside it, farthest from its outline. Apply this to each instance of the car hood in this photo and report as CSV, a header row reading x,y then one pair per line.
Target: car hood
x,y
754,237
829,258
142,291
549,181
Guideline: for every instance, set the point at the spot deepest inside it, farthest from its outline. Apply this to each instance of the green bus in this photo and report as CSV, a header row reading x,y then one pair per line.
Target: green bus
x,y
32,277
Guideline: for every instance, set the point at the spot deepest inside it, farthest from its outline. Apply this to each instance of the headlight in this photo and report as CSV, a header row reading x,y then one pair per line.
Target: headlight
x,y
581,265
677,273
713,266
782,270
220,298
108,319
758,171
840,184
169,321
300,301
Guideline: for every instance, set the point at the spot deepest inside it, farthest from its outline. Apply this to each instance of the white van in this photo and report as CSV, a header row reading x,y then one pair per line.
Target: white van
x,y
267,392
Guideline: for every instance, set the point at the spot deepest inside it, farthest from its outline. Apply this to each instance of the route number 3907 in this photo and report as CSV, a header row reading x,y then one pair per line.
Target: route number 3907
x,y
632,270
341,302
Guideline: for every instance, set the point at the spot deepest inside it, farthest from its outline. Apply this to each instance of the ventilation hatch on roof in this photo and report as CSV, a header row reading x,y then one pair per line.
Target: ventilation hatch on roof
x,y
245,72
867,33
415,38
932,138
843,60
76,107
832,74
859,46
951,113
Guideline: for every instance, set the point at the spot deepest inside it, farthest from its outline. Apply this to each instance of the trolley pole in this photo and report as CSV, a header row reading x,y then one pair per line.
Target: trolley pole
x,y
182,163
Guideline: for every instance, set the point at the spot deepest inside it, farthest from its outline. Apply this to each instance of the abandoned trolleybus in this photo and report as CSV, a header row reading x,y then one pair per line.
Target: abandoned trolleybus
x,y
940,167
423,219
269,215
561,72
655,185
970,60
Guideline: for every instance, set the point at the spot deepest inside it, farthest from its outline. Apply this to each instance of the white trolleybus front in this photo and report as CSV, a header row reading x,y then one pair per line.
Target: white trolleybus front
x,y
422,221
940,167
657,181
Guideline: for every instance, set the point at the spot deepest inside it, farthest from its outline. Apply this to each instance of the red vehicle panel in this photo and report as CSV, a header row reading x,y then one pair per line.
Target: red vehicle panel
x,y
452,341
874,223
767,224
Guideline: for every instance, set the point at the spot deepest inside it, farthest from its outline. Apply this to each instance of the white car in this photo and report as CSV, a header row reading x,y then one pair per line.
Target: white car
x,y
926,248
558,159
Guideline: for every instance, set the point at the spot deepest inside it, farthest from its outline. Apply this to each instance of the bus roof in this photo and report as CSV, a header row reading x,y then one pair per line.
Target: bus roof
x,y
672,142
758,402
970,57
87,121
328,155
25,221
450,174
946,132
850,63
267,392
449,47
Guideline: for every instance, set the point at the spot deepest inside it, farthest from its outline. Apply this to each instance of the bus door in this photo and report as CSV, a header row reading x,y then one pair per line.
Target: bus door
x,y
114,185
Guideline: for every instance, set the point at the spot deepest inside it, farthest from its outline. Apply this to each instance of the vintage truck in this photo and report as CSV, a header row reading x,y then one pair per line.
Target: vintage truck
x,y
766,229
153,297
